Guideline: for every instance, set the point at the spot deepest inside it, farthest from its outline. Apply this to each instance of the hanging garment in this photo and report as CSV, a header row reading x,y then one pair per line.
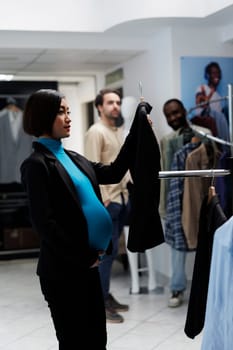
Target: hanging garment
x,y
211,218
222,125
207,121
169,145
145,229
223,184
195,189
12,150
218,326
16,119
174,233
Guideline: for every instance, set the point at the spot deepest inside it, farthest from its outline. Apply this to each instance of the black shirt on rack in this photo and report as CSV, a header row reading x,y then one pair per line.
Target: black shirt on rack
x,y
211,217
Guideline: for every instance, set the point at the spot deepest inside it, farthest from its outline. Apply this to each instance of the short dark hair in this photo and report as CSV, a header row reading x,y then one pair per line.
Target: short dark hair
x,y
208,68
40,111
179,102
100,97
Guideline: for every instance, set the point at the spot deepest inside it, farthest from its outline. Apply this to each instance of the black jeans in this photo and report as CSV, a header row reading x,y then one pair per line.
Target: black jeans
x,y
77,309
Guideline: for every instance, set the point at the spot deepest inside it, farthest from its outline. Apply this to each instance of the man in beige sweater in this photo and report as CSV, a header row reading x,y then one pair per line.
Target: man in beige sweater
x,y
103,141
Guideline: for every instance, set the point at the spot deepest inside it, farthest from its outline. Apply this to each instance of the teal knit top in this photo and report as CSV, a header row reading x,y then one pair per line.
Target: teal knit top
x,y
98,219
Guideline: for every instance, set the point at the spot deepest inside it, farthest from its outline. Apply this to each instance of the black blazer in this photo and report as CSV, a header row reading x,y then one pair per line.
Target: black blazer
x,y
55,210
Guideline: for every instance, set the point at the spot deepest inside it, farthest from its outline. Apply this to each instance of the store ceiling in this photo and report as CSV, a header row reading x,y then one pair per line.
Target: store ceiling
x,y
77,56
70,63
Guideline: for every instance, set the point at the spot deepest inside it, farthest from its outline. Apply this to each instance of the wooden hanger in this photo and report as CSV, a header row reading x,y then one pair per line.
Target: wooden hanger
x,y
211,193
195,139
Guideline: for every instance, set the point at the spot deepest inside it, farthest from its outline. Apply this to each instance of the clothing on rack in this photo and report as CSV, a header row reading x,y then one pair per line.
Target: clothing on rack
x,y
225,149
222,125
15,145
186,195
214,119
218,325
174,234
223,138
195,189
15,115
211,218
223,185
169,145
145,229
206,121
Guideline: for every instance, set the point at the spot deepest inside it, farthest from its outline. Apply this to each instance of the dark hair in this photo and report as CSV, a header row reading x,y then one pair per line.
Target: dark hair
x,y
40,111
208,69
180,103
99,100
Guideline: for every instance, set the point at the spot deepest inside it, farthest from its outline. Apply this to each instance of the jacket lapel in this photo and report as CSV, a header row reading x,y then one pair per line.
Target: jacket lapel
x,y
60,169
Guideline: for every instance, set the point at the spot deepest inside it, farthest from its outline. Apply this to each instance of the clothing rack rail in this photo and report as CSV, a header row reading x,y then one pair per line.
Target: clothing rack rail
x,y
208,136
194,173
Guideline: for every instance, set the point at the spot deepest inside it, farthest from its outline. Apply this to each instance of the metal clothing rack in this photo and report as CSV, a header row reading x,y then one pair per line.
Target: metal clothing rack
x,y
208,136
209,172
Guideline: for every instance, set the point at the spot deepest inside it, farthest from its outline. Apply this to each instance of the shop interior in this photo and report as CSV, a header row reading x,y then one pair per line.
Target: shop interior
x,y
138,51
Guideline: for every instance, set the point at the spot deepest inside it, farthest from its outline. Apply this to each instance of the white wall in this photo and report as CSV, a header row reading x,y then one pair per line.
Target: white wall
x,y
154,70
77,95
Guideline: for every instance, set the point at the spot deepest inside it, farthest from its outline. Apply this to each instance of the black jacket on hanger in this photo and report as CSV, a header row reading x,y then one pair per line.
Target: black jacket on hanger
x,y
211,217
145,228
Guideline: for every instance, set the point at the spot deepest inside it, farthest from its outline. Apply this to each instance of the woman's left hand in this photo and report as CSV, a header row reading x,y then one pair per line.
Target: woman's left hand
x,y
98,261
149,120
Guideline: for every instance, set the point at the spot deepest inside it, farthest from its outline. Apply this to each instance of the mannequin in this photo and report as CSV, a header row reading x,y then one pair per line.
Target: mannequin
x,y
133,264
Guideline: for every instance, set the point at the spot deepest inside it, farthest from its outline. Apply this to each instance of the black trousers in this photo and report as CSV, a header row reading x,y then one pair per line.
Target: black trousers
x,y
77,309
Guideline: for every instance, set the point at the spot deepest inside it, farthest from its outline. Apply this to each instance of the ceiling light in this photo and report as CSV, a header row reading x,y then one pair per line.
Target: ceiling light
x,y
6,77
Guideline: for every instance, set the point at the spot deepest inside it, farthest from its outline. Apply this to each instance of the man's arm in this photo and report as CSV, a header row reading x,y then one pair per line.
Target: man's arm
x,y
93,145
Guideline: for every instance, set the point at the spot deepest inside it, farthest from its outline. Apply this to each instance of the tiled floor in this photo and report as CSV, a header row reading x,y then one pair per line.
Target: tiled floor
x,y
25,322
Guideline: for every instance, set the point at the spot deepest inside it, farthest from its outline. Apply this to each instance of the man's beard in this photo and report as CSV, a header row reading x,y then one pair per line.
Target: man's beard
x,y
118,121
181,122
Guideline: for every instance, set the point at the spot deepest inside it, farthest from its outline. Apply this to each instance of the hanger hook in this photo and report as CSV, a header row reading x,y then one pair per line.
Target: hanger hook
x,y
212,181
140,91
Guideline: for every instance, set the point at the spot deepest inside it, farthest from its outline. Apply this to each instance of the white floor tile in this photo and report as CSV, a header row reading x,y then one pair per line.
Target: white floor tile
x,y
149,324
